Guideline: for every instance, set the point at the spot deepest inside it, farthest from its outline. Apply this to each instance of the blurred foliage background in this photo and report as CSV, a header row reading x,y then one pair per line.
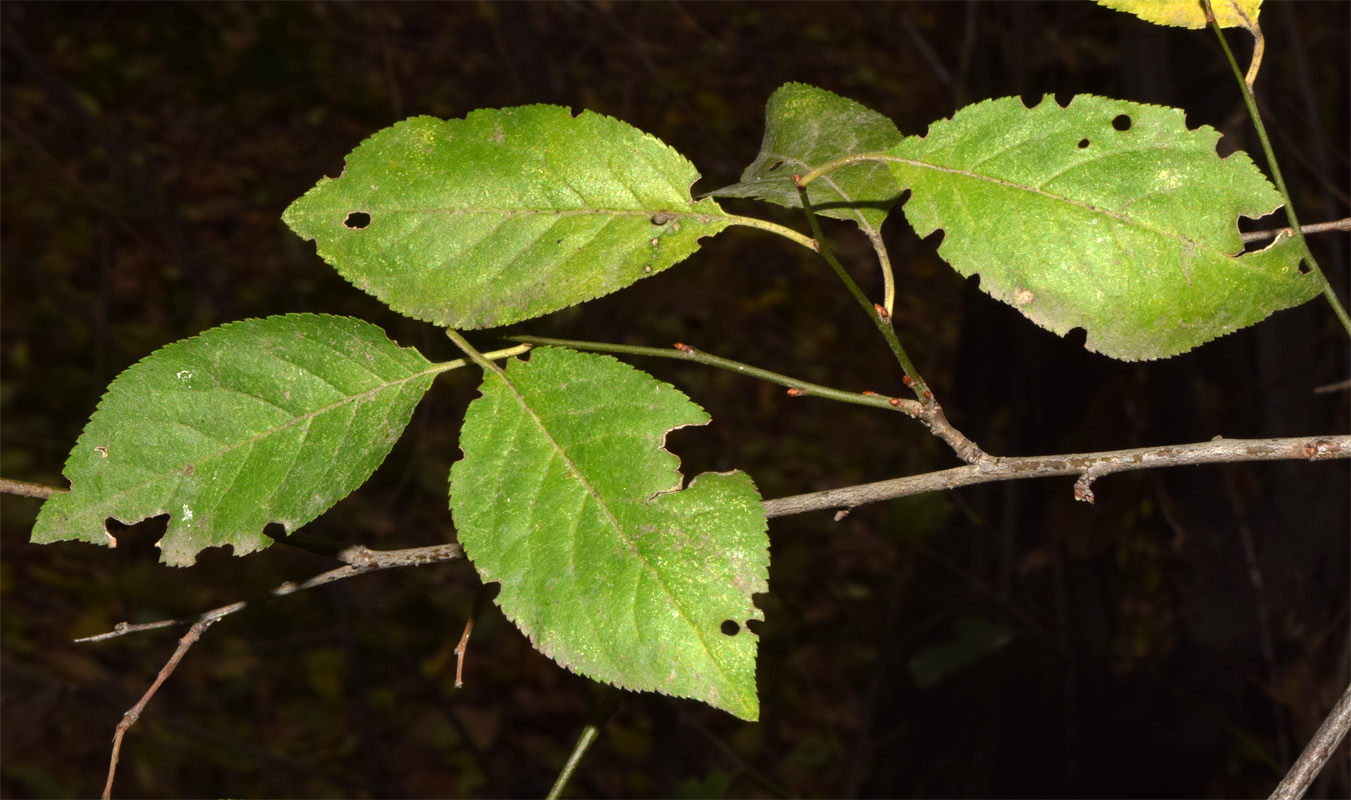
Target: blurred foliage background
x,y
1183,637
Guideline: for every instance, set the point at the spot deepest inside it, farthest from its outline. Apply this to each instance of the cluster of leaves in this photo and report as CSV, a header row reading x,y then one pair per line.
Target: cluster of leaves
x,y
1107,215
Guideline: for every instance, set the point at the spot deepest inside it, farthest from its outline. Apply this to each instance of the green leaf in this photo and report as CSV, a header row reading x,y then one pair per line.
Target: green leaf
x,y
806,127
1188,13
1105,215
265,420
566,496
505,215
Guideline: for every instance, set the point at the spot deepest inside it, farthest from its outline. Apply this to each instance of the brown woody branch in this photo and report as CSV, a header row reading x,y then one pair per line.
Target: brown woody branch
x,y
360,560
1318,227
26,489
1087,466
984,469
1318,751
134,713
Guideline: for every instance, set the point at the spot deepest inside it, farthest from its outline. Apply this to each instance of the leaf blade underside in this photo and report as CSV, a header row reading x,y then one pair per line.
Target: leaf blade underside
x,y
806,127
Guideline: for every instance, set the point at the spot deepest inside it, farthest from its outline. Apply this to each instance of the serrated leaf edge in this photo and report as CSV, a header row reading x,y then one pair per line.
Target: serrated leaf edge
x,y
113,499
613,522
1115,215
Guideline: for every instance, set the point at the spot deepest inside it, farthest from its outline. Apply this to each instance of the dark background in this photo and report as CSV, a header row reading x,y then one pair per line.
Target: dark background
x,y
1183,637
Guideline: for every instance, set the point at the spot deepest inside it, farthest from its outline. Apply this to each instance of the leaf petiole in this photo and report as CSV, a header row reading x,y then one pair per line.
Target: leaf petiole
x,y
475,355
765,225
878,314
687,353
847,161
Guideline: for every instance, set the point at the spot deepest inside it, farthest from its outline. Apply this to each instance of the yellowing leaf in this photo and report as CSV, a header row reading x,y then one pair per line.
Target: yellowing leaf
x,y
1188,13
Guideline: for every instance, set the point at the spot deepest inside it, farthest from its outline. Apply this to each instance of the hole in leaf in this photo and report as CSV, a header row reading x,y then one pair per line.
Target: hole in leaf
x,y
1304,267
1257,244
755,626
1077,336
1083,143
1122,122
1270,222
730,628
357,220
774,166
140,539
275,531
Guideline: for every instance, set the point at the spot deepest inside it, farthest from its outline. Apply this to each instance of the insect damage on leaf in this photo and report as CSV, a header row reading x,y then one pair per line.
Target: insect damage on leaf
x,y
567,497
253,422
1104,215
505,215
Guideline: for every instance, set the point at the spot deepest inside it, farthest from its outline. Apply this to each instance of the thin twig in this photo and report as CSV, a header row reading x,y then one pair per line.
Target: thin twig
x,y
1088,466
685,352
1319,751
134,713
881,318
360,560
605,707
26,489
931,414
463,646
1317,227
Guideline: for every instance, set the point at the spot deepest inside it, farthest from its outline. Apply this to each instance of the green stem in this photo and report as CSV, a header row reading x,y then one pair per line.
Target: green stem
x,y
482,360
874,235
847,161
1251,101
884,261
772,227
687,353
604,708
883,323
446,366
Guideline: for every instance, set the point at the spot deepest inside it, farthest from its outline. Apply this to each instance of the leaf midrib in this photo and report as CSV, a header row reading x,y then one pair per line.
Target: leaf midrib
x,y
295,420
615,524
1116,215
